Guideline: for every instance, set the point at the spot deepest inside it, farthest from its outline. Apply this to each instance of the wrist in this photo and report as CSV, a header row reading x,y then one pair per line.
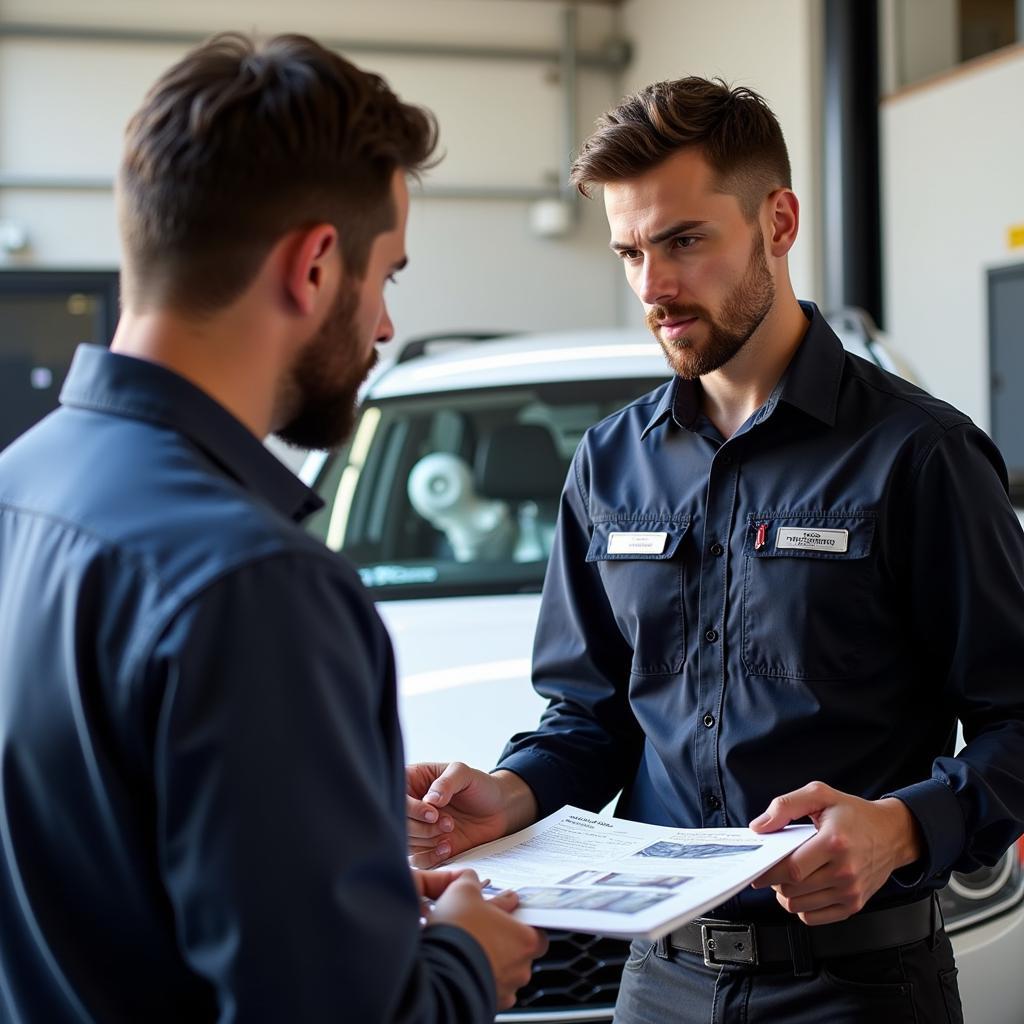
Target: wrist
x,y
518,800
908,845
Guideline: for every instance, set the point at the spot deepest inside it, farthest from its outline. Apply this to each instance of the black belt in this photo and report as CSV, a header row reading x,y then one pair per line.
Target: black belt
x,y
733,942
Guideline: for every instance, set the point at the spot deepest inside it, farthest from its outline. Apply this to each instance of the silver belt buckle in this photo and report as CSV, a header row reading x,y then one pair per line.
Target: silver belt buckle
x,y
728,943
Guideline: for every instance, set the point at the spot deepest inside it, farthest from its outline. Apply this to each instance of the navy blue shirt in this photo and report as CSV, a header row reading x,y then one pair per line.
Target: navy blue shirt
x,y
202,795
819,597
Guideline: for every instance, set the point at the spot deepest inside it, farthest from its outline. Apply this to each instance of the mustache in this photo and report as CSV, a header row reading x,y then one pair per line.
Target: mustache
x,y
656,314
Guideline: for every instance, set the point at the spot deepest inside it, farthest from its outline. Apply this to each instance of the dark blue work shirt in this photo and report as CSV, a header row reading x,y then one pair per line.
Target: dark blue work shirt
x,y
819,597
202,795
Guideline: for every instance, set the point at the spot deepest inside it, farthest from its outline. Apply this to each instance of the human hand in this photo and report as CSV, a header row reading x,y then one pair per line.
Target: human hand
x,y
431,884
858,846
451,808
510,945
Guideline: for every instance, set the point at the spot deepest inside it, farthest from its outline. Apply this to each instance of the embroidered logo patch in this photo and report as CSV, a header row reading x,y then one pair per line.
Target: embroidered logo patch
x,y
637,543
791,538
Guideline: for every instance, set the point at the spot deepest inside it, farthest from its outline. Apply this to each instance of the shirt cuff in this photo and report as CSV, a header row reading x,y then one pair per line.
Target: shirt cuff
x,y
938,813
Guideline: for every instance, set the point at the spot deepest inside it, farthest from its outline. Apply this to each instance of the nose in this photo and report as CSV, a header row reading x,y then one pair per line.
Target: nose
x,y
385,328
656,282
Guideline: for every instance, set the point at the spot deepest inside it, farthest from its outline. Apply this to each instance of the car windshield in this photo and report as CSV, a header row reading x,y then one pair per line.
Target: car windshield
x,y
457,493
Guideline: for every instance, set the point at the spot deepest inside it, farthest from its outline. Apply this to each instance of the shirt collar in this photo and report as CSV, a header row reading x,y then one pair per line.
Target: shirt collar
x,y
812,379
108,382
810,382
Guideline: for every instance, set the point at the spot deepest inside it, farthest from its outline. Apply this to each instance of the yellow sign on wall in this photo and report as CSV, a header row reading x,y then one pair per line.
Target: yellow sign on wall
x,y
1015,236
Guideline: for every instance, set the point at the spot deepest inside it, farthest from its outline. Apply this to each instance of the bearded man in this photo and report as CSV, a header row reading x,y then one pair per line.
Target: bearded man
x,y
777,583
201,801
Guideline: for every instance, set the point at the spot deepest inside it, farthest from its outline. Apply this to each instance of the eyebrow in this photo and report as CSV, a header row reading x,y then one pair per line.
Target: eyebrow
x,y
676,229
400,265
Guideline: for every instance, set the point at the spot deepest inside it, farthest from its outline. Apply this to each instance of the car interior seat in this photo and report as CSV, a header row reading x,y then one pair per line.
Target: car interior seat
x,y
519,463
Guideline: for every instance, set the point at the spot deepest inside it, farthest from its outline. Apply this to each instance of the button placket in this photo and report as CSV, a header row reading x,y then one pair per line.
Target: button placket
x,y
719,511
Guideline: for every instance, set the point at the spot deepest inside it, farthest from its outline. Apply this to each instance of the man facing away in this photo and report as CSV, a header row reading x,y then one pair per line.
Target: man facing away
x,y
201,790
832,576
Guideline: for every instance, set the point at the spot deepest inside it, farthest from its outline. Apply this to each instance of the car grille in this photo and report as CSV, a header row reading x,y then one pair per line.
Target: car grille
x,y
577,972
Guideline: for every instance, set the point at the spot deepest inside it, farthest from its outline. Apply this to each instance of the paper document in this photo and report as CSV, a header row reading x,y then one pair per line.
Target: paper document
x,y
581,872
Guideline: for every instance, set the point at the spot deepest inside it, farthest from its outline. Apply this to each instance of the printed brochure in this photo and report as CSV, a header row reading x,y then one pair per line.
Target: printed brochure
x,y
582,872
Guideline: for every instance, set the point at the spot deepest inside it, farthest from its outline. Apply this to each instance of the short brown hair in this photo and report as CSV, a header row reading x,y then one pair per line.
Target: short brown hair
x,y
238,144
734,129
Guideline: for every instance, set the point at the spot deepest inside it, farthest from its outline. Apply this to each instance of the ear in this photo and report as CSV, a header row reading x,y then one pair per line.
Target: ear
x,y
311,264
784,221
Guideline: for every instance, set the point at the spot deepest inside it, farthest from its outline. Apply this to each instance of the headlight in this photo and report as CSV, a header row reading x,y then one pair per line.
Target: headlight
x,y
985,893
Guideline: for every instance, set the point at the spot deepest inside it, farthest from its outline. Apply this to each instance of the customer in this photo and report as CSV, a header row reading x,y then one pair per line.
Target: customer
x,y
201,798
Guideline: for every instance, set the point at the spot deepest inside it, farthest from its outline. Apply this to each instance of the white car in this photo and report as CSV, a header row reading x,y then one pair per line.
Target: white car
x,y
445,499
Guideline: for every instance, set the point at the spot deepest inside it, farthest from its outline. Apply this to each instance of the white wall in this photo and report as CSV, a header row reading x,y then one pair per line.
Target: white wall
x,y
953,177
772,47
473,263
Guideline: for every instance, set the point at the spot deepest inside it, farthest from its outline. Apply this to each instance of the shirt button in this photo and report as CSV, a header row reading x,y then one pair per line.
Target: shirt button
x,y
709,720
713,802
711,635
716,548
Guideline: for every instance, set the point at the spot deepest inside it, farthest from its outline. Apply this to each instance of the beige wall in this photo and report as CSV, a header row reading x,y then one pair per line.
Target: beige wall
x,y
920,38
474,263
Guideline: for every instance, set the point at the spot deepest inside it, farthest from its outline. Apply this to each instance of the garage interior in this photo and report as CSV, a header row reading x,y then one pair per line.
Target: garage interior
x,y
902,117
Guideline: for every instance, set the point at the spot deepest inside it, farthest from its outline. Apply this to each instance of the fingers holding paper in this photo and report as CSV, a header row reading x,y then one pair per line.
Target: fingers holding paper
x,y
859,843
510,946
451,808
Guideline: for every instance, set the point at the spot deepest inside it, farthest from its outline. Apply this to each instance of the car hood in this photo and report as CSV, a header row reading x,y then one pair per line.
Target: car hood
x,y
463,674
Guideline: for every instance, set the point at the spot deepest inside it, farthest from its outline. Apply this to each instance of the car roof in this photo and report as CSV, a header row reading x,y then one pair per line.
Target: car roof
x,y
597,354
588,354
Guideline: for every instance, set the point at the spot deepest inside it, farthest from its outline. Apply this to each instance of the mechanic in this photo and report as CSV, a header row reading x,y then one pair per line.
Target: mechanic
x,y
778,581
202,796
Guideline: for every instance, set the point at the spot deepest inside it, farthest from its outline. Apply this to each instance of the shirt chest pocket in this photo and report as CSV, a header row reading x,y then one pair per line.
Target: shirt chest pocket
x,y
809,588
641,567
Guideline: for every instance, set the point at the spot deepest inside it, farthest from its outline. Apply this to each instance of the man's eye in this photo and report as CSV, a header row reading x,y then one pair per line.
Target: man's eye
x,y
391,279
685,241
628,254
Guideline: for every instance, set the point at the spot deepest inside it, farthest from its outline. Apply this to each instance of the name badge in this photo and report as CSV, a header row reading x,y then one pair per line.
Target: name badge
x,y
812,540
636,543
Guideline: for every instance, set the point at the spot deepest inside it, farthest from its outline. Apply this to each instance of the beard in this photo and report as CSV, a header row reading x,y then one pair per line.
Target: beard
x,y
322,387
742,313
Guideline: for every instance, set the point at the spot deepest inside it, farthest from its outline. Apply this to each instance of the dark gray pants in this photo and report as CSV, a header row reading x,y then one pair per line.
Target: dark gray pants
x,y
915,984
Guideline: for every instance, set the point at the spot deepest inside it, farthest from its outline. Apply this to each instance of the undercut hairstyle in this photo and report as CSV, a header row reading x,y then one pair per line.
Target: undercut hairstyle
x,y
734,129
237,145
